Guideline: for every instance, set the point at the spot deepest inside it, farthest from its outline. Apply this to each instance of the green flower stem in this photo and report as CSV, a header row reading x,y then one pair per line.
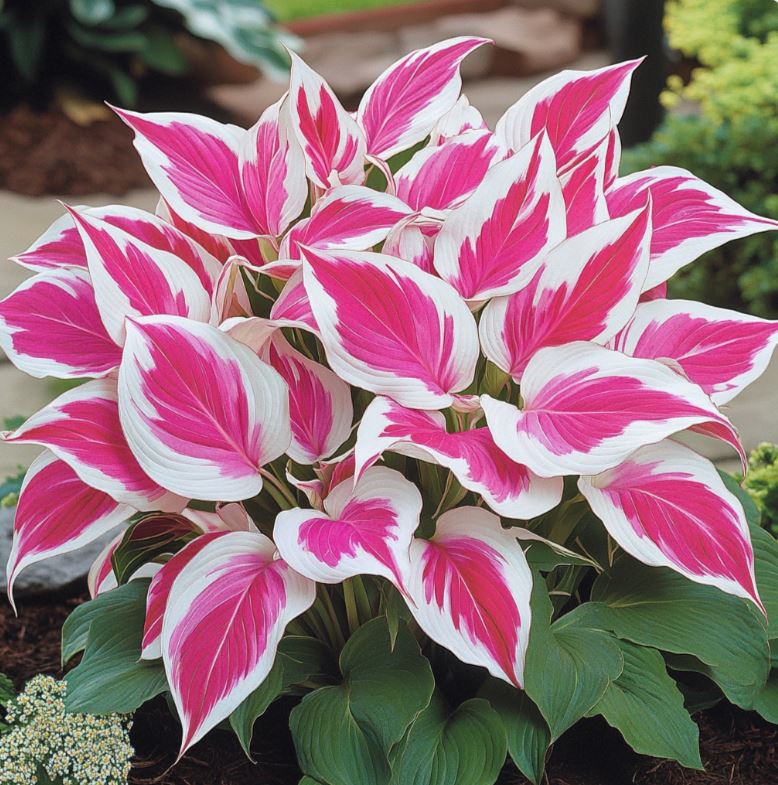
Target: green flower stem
x,y
566,517
279,491
352,614
330,619
363,601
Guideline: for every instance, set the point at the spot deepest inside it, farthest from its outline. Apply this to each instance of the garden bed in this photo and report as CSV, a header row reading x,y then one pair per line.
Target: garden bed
x,y
44,152
737,747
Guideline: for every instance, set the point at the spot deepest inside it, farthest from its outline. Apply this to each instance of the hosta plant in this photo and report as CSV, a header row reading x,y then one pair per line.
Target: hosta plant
x,y
385,411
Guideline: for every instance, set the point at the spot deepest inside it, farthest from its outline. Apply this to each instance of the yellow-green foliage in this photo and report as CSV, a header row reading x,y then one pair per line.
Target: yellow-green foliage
x,y
704,29
762,483
44,744
731,140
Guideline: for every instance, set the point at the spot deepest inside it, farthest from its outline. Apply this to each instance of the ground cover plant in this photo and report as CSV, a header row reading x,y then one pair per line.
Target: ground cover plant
x,y
384,407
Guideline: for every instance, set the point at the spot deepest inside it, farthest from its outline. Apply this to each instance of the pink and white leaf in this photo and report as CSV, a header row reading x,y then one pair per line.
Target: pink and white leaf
x,y
272,171
50,326
690,217
201,412
668,507
442,176
366,529
470,585
253,331
320,407
361,302
583,187
612,157
224,618
509,488
230,298
658,292
403,105
293,306
720,350
414,241
577,109
586,408
332,142
347,216
163,236
586,289
194,163
216,245
494,242
57,513
462,117
159,592
82,428
59,246
132,278
101,577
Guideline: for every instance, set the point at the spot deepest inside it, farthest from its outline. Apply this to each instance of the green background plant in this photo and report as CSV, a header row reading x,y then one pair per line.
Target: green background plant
x,y
728,139
762,483
105,46
289,10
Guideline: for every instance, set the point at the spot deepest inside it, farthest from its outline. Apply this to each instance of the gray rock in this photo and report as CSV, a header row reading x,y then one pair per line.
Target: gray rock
x,y
51,574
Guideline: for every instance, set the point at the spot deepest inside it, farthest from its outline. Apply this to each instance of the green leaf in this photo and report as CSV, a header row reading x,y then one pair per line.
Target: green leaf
x,y
646,707
162,53
343,733
766,568
569,665
466,746
298,659
11,486
7,690
75,630
123,85
111,677
765,554
766,702
528,734
753,515
92,12
127,17
12,423
150,538
26,42
543,557
654,606
395,609
129,41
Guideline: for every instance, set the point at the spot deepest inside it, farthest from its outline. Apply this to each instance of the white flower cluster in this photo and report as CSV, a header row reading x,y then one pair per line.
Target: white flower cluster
x,y
72,749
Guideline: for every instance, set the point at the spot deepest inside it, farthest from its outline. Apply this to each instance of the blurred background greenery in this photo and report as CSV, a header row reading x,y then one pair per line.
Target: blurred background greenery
x,y
723,126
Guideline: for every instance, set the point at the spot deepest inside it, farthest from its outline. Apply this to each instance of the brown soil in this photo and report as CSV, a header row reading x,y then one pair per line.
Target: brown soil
x,y
738,748
47,153
43,152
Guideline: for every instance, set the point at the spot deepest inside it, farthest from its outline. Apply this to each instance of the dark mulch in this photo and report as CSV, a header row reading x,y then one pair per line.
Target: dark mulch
x,y
738,748
44,152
